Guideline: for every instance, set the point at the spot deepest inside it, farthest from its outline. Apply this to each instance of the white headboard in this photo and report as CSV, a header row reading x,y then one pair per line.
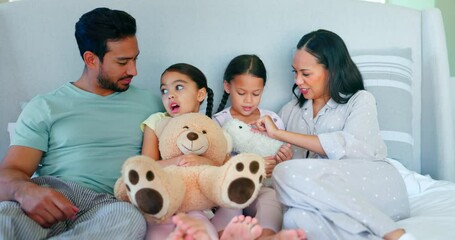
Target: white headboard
x,y
39,53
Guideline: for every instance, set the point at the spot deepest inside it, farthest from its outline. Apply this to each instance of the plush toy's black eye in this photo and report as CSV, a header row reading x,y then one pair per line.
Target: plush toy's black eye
x,y
240,127
186,127
204,132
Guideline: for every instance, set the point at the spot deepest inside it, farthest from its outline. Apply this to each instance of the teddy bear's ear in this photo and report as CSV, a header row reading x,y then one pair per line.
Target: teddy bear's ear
x,y
161,125
228,141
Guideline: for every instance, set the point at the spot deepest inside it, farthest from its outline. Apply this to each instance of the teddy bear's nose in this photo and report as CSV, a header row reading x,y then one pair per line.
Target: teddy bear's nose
x,y
192,136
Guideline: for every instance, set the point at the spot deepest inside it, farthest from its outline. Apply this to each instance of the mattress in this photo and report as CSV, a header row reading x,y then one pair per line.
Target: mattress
x,y
432,205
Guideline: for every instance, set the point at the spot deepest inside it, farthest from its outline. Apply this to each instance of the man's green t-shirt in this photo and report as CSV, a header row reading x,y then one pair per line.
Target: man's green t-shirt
x,y
85,137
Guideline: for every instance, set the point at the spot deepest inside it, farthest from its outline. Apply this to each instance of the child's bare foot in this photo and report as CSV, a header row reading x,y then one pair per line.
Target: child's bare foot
x,y
242,228
188,228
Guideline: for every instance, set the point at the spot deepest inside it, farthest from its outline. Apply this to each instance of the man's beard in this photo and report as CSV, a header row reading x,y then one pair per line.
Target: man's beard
x,y
107,83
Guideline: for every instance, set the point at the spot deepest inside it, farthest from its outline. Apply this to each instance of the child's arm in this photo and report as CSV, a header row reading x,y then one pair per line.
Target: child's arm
x,y
270,163
150,148
284,153
150,144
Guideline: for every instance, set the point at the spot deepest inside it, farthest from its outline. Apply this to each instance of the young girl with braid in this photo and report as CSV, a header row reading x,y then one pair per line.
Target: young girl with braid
x,y
244,81
183,89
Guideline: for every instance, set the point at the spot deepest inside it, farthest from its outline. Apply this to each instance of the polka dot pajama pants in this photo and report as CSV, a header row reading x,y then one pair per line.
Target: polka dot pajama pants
x,y
341,199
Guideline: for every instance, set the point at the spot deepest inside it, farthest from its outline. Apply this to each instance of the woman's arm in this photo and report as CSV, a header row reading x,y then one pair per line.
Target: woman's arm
x,y
360,134
356,135
309,142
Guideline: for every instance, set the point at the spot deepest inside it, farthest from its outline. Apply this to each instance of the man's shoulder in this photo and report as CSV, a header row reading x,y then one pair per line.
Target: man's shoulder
x,y
56,93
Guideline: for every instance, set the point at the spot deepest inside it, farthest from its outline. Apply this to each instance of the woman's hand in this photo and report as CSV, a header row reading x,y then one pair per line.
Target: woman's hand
x,y
266,124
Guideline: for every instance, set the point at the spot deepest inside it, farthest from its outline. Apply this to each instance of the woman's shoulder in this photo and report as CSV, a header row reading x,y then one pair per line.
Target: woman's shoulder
x,y
291,104
363,96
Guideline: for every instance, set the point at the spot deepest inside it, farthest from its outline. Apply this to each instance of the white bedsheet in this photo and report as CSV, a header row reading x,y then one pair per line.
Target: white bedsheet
x,y
432,206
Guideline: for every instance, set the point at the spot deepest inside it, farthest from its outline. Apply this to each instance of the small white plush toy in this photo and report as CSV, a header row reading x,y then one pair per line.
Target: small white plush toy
x,y
245,140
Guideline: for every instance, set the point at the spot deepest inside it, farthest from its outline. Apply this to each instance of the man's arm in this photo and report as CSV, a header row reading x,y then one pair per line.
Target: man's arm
x,y
44,205
16,169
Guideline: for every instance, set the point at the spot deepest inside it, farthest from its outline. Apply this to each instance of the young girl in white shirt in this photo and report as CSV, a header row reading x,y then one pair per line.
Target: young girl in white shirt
x,y
244,81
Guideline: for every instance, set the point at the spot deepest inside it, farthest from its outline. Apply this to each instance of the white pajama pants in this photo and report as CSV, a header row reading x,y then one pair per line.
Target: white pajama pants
x,y
341,199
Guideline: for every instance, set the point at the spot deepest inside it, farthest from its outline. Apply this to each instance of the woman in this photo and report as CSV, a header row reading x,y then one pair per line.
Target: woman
x,y
347,189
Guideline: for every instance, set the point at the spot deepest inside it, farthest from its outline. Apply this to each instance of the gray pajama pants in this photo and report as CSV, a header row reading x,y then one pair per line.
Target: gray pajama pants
x,y
100,216
341,199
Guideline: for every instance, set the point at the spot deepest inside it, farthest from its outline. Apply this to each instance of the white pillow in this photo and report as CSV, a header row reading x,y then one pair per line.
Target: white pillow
x,y
11,127
388,75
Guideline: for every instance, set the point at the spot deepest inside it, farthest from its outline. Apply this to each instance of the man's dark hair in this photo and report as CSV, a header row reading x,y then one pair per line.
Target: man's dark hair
x,y
96,27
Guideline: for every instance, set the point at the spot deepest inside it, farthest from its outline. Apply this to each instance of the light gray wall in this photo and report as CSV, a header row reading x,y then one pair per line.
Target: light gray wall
x,y
447,8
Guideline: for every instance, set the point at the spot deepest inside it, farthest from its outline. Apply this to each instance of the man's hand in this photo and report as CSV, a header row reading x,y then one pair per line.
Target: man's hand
x,y
45,205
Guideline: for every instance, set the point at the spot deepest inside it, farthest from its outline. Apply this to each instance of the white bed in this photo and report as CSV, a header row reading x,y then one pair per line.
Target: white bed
x,y
432,206
401,53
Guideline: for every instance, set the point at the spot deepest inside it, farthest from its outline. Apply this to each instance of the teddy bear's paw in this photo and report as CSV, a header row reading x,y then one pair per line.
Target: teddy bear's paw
x,y
244,177
144,185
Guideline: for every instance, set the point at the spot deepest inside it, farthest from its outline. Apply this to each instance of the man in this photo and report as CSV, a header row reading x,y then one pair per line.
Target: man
x,y
76,139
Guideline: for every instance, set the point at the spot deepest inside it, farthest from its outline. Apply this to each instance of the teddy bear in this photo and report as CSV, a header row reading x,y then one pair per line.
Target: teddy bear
x,y
160,192
246,140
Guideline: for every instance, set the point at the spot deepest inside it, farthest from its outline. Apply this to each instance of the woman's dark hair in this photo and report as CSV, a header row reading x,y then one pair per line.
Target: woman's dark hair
x,y
243,64
198,77
96,27
330,50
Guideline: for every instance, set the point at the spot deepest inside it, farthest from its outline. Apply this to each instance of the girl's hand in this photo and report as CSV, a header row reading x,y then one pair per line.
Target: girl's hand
x,y
270,164
284,153
266,124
